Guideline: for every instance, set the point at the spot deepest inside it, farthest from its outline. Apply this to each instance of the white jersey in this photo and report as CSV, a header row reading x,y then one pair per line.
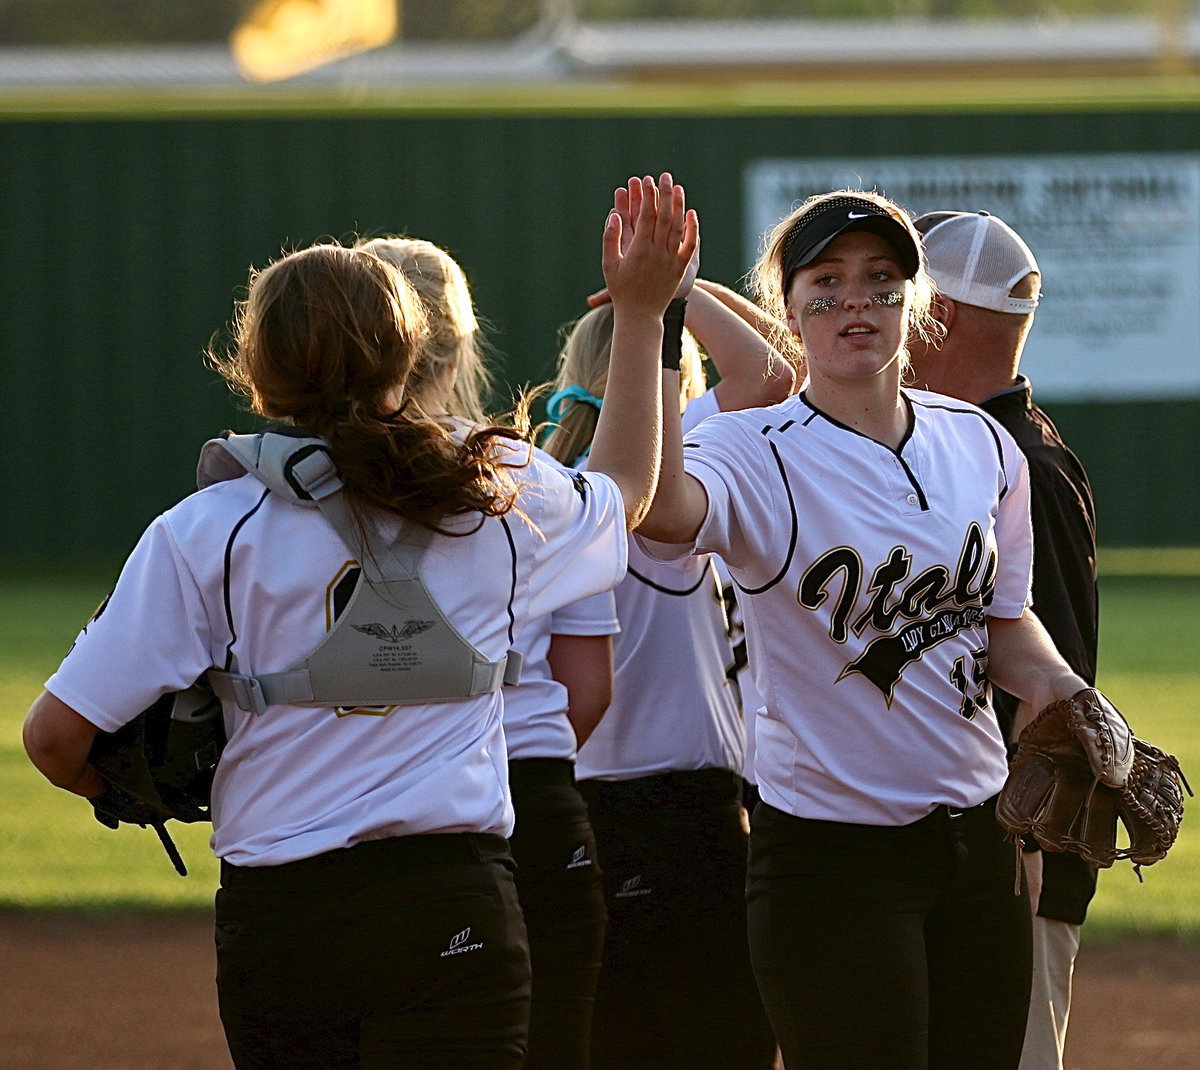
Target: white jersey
x,y
746,695
673,708
743,678
536,724
866,576
535,710
295,782
699,409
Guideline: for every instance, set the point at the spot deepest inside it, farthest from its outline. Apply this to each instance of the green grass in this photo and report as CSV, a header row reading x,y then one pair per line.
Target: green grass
x,y
1149,668
56,856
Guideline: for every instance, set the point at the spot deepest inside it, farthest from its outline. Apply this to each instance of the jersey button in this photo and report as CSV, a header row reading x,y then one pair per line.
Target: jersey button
x,y
912,499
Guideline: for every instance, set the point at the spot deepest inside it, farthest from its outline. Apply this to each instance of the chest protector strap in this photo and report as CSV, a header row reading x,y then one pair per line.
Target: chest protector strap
x,y
392,645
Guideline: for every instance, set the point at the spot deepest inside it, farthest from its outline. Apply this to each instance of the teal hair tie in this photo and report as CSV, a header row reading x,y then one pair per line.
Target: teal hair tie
x,y
561,400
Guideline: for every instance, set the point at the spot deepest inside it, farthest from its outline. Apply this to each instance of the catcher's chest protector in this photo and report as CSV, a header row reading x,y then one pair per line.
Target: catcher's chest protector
x,y
392,645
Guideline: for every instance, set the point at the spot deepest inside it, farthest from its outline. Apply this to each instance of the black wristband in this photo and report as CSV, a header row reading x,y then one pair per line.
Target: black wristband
x,y
672,342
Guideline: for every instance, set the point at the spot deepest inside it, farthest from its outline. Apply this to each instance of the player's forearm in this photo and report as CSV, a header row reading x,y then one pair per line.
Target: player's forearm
x,y
1023,661
626,445
680,503
583,664
58,741
751,372
742,307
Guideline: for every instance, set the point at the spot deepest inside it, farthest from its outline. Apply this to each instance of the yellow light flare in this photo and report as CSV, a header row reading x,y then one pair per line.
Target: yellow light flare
x,y
282,38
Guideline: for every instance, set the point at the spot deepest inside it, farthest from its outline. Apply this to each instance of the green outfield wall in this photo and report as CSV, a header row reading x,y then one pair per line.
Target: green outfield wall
x,y
127,238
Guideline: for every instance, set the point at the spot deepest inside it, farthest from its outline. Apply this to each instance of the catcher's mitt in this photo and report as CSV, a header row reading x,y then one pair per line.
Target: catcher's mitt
x,y
112,806
1078,771
159,767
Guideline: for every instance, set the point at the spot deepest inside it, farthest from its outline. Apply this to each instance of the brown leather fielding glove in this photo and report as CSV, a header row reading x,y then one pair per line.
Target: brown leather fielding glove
x,y
1152,804
1078,771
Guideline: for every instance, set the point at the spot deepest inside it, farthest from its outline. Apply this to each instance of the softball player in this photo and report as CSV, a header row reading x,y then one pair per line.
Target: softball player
x,y
558,875
566,684
662,771
880,540
366,915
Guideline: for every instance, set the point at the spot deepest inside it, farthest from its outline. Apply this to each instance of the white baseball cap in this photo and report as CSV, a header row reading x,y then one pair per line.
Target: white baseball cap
x,y
977,258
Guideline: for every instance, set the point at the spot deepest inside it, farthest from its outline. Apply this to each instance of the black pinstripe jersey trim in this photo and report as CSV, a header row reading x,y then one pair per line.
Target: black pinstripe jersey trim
x,y
512,591
227,593
791,507
911,476
803,396
671,590
986,423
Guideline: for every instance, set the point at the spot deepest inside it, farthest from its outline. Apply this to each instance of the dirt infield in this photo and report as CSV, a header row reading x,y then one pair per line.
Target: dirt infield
x,y
79,993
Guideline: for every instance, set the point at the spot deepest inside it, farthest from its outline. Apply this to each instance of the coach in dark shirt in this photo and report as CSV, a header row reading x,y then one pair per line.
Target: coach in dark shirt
x,y
989,286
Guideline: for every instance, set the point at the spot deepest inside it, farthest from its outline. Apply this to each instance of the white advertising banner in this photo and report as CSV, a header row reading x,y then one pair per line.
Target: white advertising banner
x,y
1117,238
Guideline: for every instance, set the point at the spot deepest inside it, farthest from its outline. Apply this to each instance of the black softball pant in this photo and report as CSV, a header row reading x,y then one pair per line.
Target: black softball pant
x,y
900,947
560,889
676,989
399,954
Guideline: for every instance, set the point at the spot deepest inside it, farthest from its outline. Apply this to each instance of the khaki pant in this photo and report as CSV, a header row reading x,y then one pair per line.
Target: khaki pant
x,y
1055,944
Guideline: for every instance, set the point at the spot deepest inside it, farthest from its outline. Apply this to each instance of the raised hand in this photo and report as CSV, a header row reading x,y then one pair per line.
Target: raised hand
x,y
651,242
691,271
627,203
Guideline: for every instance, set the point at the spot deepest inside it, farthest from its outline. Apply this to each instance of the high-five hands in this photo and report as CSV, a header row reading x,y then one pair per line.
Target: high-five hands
x,y
646,254
650,239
